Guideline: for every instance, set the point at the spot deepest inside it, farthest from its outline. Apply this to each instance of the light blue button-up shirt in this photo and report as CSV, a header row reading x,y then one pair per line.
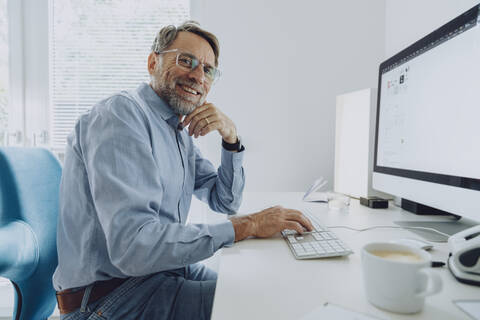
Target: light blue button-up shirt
x,y
127,184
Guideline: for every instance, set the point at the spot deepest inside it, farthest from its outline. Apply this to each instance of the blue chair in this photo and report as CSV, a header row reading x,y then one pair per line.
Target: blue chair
x,y
29,187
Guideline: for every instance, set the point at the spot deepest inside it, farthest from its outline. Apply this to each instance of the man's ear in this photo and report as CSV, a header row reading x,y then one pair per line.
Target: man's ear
x,y
152,62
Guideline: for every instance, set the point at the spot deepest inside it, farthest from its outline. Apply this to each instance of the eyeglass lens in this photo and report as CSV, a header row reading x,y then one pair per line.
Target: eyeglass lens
x,y
191,62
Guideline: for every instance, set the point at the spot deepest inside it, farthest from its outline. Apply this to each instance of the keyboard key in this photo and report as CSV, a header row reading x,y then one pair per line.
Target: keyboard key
x,y
317,236
287,232
330,250
306,245
320,250
332,235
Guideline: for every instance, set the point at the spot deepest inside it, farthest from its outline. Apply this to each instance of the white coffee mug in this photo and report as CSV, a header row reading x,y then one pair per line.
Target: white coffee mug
x,y
398,277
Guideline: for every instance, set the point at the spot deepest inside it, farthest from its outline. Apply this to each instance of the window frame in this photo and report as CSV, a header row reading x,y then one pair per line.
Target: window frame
x,y
28,72
16,98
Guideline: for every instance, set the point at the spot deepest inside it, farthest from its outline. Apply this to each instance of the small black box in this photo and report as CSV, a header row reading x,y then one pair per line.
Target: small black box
x,y
374,202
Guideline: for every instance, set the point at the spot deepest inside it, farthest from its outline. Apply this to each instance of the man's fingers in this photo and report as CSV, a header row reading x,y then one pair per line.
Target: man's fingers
x,y
277,218
293,213
196,111
202,119
299,217
307,223
196,126
204,114
208,113
292,225
201,126
199,113
203,130
209,128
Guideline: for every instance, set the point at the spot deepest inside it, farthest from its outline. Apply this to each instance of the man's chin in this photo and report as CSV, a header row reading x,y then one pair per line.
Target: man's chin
x,y
187,106
186,111
180,105
184,108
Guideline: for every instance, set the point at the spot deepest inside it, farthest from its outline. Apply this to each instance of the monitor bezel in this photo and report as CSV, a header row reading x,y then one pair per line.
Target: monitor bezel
x,y
428,42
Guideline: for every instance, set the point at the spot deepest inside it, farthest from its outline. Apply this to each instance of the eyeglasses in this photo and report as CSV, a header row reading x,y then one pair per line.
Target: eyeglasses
x,y
189,61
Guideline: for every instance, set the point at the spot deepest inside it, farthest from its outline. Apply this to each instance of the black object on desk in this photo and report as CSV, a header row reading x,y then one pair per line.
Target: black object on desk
x,y
374,202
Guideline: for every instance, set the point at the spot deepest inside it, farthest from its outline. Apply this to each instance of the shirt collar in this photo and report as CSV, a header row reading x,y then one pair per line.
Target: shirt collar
x,y
158,105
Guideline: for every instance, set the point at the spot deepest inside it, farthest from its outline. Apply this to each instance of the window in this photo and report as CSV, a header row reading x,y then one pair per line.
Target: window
x,y
4,69
97,48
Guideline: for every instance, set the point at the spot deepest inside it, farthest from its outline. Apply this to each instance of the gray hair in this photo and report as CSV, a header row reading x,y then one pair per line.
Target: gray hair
x,y
168,34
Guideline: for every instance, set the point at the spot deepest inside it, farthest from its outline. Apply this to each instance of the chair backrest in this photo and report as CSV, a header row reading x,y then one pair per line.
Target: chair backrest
x,y
29,188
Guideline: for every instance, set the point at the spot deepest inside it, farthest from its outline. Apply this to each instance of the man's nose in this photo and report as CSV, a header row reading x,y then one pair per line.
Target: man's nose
x,y
197,74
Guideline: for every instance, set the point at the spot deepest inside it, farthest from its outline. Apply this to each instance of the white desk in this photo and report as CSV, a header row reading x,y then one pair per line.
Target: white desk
x,y
260,278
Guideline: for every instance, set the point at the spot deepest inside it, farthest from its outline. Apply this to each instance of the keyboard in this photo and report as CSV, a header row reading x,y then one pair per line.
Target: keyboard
x,y
319,243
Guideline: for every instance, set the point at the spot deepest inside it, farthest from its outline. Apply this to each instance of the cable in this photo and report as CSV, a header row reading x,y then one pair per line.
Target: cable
x,y
394,227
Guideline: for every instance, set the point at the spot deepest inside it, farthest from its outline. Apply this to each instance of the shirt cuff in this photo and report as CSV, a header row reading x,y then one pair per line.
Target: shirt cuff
x,y
232,160
223,234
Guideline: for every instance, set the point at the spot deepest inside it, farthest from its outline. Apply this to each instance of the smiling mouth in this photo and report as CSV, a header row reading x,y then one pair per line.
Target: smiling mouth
x,y
189,90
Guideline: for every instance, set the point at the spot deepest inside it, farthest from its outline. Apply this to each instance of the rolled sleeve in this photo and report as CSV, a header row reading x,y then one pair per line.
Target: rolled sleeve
x,y
222,189
232,160
223,234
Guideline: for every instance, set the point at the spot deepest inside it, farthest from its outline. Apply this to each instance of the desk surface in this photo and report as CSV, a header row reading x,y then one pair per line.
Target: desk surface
x,y
260,278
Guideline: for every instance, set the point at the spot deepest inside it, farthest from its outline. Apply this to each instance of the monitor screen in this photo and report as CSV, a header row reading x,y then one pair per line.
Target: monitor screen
x,y
428,115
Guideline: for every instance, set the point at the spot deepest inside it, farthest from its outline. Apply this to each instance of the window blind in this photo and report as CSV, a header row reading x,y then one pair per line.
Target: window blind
x,y
97,48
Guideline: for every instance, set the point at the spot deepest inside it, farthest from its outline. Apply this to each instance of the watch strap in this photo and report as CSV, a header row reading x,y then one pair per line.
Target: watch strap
x,y
237,146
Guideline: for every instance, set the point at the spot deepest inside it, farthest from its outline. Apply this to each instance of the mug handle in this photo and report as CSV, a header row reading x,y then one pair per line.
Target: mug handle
x,y
435,283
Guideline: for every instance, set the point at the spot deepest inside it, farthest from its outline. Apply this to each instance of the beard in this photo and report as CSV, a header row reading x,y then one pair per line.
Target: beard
x,y
180,104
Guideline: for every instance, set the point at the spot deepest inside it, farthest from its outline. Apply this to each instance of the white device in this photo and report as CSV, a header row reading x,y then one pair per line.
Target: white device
x,y
354,131
426,142
464,259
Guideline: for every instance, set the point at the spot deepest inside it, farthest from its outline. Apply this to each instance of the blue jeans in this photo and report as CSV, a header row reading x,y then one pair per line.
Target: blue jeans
x,y
185,293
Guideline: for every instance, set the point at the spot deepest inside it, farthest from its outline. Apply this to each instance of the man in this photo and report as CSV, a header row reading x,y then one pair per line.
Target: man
x,y
130,170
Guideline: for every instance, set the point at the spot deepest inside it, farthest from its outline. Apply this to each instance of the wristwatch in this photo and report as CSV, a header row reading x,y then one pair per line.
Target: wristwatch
x,y
237,146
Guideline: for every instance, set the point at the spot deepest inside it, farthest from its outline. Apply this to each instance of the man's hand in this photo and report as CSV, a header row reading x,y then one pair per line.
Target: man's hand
x,y
207,118
268,222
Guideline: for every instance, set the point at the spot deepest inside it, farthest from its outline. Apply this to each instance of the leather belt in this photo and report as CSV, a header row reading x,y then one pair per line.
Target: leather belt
x,y
69,300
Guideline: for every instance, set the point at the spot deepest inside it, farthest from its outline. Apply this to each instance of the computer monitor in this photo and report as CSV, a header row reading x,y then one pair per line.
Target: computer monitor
x,y
427,141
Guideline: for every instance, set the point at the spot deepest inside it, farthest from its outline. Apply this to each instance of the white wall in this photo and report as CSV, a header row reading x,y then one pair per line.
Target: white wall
x,y
284,62
409,20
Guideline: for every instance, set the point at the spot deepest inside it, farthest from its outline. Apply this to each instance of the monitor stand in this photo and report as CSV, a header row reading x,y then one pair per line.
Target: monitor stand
x,y
452,225
422,209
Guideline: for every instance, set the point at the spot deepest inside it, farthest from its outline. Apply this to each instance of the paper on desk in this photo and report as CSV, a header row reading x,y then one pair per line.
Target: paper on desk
x,y
312,196
317,197
470,307
332,312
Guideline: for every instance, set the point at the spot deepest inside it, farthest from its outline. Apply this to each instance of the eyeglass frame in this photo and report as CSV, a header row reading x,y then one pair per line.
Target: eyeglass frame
x,y
218,73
